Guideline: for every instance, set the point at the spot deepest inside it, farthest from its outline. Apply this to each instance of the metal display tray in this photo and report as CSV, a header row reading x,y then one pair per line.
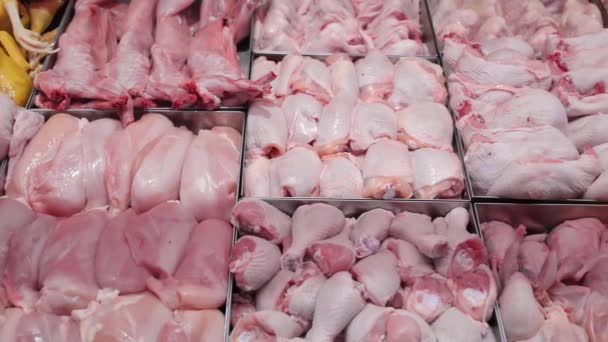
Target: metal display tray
x,y
353,208
456,141
426,26
243,51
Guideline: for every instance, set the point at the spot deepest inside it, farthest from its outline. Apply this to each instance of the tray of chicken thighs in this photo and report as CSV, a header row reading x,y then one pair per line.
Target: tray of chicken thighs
x,y
550,263
142,54
351,127
114,233
360,271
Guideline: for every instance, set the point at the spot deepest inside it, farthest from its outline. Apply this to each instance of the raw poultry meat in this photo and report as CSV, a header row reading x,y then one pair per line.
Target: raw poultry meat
x,y
253,262
392,291
370,123
587,132
335,124
384,177
267,130
425,124
418,229
302,113
521,315
340,26
597,190
376,75
437,173
259,218
203,325
427,86
312,77
455,326
296,173
340,177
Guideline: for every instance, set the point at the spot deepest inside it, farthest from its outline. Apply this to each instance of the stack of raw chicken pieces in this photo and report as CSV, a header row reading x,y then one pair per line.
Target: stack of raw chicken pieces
x,y
555,285
334,128
117,55
533,128
404,277
349,26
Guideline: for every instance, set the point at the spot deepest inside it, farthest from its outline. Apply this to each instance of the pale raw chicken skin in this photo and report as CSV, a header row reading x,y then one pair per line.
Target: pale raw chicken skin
x,y
39,150
379,276
370,123
417,80
425,124
158,169
498,238
302,113
387,170
369,324
259,218
21,273
589,131
267,130
599,189
209,176
428,297
115,267
287,69
437,173
121,150
338,302
269,297
475,292
257,177
300,298
418,229
411,264
406,326
370,230
312,77
253,262
267,326
201,279
335,125
7,119
296,173
41,326
137,317
455,326
335,254
310,223
521,314
340,177
94,137
188,325
375,72
344,78
66,268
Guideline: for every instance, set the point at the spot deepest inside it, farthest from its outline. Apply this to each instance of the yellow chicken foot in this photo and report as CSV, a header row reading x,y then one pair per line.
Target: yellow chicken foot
x,y
29,40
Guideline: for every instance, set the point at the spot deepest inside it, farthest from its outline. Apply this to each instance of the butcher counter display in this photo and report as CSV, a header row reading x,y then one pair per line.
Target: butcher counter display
x,y
310,170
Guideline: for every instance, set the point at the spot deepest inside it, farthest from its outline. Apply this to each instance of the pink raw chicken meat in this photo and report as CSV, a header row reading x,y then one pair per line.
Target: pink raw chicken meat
x,y
335,125
302,113
254,261
115,266
417,80
418,229
257,177
269,296
15,216
259,218
40,149
338,302
425,124
67,263
267,326
437,173
157,239
201,279
407,326
589,131
158,168
335,254
379,276
21,273
475,292
521,314
203,325
287,68
369,324
340,177
41,326
169,54
210,174
370,123
455,326
344,79
387,170
411,264
310,223
429,297
300,298
137,317
312,77
267,130
296,173
242,305
121,149
599,189
214,66
376,73
370,230
94,137
498,238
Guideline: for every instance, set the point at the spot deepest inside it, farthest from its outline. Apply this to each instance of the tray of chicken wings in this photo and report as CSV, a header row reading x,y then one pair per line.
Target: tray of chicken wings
x,y
360,271
142,54
356,27
550,264
112,233
527,91
343,127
